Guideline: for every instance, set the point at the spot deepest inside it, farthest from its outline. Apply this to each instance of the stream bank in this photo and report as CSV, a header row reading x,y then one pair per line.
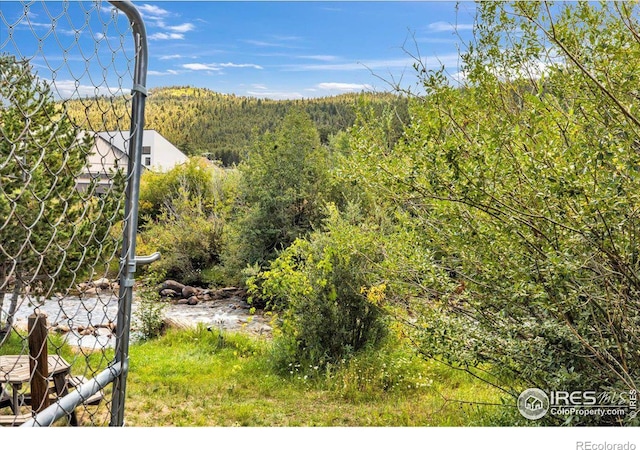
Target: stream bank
x,y
89,321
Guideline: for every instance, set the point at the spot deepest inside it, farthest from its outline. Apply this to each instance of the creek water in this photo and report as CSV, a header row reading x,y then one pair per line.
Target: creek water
x,y
73,314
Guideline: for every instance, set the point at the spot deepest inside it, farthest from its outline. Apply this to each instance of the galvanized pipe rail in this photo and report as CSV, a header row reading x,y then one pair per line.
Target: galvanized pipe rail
x,y
128,261
66,405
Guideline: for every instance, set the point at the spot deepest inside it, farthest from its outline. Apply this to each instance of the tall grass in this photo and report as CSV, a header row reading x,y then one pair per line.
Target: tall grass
x,y
208,378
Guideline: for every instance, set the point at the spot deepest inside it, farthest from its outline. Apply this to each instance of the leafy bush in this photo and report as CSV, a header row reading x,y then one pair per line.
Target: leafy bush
x,y
321,284
148,319
518,195
188,239
198,178
184,212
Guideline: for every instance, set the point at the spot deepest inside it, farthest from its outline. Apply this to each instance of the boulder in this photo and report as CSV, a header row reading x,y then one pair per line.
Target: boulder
x,y
193,300
189,291
102,283
229,289
109,326
230,292
170,293
171,284
103,332
62,329
85,331
216,295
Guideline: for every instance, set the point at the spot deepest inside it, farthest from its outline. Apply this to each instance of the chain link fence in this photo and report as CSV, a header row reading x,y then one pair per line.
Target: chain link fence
x,y
72,77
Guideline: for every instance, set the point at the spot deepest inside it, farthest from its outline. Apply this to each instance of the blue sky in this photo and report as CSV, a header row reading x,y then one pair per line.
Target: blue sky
x,y
269,49
298,49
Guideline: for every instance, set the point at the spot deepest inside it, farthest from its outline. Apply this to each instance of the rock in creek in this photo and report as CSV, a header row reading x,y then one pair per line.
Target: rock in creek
x,y
170,293
173,285
189,291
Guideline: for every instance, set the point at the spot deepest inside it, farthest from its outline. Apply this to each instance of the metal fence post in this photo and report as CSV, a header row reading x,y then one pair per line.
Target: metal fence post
x,y
128,261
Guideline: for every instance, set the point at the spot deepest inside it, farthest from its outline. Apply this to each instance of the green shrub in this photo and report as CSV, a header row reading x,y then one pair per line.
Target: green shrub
x,y
522,191
198,177
148,319
183,215
188,238
281,192
321,286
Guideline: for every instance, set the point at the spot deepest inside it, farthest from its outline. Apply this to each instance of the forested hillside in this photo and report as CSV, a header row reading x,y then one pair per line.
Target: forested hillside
x,y
221,126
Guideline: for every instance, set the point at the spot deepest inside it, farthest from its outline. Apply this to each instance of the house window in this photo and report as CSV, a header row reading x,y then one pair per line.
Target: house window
x,y
146,150
147,161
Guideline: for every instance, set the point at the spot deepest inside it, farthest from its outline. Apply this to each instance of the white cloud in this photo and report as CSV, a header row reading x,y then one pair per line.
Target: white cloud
x,y
200,66
401,63
67,32
167,72
437,40
277,41
218,66
262,91
528,70
65,89
438,27
261,43
181,28
326,58
37,24
460,77
165,36
165,57
344,87
253,66
156,17
286,38
153,10
326,67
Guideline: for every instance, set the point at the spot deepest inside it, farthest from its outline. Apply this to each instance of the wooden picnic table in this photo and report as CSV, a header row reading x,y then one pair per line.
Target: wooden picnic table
x,y
15,371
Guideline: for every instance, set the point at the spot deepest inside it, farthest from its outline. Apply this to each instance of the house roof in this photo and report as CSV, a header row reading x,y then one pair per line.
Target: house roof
x,y
120,139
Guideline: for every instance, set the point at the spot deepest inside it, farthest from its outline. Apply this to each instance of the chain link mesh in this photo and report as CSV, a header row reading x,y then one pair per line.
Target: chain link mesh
x,y
66,70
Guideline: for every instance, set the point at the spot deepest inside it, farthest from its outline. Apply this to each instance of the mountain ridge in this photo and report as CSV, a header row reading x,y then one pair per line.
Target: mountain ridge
x,y
200,121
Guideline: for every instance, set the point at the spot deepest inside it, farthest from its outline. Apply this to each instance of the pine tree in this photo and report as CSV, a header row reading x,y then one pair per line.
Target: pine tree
x,y
283,188
48,230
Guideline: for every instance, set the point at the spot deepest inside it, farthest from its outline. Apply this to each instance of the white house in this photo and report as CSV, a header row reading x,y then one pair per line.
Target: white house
x,y
110,152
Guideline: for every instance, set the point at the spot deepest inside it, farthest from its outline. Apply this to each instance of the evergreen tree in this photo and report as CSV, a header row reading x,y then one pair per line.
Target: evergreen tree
x,y
282,189
48,230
